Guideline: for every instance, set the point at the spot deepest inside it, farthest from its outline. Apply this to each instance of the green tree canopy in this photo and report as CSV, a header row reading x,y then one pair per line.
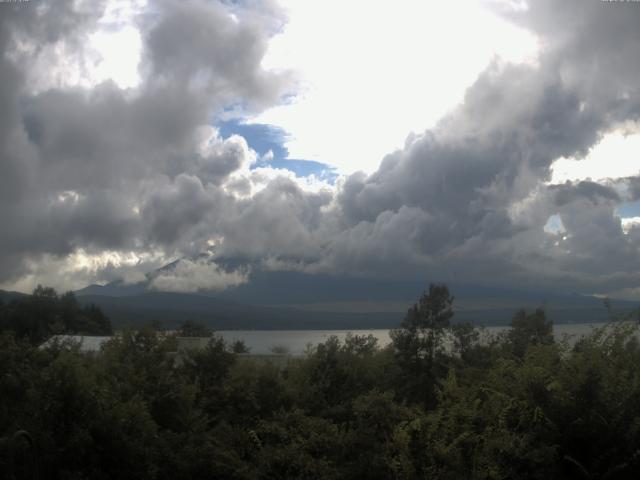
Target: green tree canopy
x,y
419,342
530,329
45,313
189,328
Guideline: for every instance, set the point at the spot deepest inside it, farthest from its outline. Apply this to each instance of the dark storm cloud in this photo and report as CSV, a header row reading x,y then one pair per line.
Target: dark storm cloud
x,y
594,47
584,190
633,184
280,223
491,151
184,48
48,22
103,167
218,159
476,164
72,221
477,178
142,169
101,138
175,207
41,24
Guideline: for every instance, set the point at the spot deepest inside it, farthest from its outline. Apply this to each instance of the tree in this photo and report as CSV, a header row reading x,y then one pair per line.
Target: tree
x,y
189,328
208,369
465,341
279,349
44,313
419,342
239,346
529,329
361,345
93,321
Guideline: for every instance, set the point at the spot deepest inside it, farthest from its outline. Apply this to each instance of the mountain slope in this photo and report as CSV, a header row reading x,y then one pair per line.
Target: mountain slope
x,y
171,309
292,300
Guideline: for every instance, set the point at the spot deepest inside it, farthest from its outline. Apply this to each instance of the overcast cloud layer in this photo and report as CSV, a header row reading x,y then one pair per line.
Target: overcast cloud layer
x,y
99,182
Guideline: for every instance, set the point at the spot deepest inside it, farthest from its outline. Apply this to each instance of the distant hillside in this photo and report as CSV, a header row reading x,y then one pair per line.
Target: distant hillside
x,y
113,289
171,309
291,300
6,296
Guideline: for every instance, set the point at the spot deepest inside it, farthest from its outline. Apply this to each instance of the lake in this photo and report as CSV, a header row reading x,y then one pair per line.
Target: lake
x,y
295,341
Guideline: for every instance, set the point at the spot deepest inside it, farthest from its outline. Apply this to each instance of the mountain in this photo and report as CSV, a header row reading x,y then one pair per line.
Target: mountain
x,y
295,301
292,300
113,289
171,309
118,288
7,296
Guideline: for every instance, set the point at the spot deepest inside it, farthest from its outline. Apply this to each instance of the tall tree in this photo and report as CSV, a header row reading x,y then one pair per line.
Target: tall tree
x,y
418,344
189,328
530,329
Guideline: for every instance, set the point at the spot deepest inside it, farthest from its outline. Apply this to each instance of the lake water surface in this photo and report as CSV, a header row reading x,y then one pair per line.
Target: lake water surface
x,y
295,341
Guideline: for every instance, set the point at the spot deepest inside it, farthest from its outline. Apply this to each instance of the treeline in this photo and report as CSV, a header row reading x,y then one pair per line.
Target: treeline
x,y
516,406
44,313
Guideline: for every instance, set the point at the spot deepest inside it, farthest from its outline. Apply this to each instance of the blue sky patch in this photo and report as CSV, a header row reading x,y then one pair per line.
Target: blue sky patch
x,y
262,138
629,209
554,225
305,168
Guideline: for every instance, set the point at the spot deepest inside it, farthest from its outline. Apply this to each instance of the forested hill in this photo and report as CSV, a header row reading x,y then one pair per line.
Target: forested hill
x,y
136,306
171,309
6,296
44,313
291,300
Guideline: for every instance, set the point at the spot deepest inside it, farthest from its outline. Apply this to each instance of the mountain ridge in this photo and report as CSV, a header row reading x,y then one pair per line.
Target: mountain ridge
x,y
294,300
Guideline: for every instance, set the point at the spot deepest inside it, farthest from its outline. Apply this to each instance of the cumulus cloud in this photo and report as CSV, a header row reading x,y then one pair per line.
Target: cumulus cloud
x,y
630,224
480,176
193,275
141,173
102,166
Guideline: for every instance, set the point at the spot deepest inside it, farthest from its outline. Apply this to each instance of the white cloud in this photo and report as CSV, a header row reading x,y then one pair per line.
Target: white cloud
x,y
82,267
372,72
617,155
629,223
192,276
119,55
88,172
110,49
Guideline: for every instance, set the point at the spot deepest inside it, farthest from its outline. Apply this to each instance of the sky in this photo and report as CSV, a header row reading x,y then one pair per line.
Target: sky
x,y
488,142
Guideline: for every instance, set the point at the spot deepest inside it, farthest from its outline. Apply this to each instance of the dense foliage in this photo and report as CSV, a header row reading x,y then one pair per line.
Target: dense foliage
x,y
44,313
441,402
